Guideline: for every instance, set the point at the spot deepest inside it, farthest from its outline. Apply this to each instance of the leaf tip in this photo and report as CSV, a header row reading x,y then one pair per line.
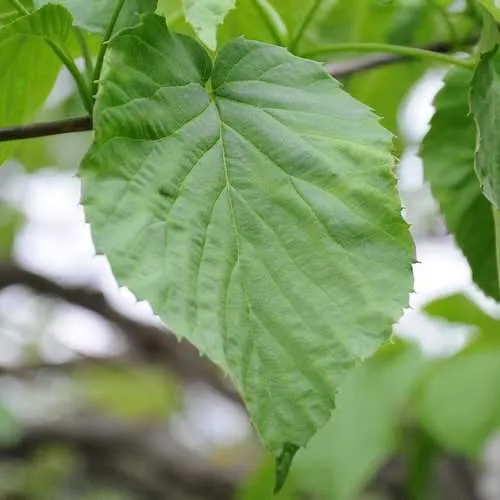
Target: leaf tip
x,y
283,464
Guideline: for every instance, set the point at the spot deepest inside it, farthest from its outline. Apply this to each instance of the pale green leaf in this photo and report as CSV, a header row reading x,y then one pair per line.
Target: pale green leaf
x,y
493,7
459,403
10,428
95,16
485,107
448,156
29,66
459,309
138,392
364,429
206,16
253,204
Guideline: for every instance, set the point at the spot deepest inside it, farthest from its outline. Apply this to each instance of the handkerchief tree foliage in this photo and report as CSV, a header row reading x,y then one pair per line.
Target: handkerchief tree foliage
x,y
243,170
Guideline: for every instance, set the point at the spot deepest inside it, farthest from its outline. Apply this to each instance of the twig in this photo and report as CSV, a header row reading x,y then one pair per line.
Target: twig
x,y
156,344
79,124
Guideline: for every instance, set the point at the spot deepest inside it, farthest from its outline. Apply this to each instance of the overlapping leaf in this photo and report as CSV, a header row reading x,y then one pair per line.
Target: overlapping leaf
x,y
448,155
205,16
95,16
253,205
29,66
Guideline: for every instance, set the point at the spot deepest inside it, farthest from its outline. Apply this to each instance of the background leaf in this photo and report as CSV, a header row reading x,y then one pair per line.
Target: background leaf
x,y
262,263
94,16
485,107
364,430
30,66
448,156
205,16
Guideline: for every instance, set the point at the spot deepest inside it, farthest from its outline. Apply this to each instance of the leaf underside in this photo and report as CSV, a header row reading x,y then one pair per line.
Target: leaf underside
x,y
253,204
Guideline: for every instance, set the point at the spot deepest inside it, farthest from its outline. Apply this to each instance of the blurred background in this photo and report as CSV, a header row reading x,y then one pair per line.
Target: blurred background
x,y
99,401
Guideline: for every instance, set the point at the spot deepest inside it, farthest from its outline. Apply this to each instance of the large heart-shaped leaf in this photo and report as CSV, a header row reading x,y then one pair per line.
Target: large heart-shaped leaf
x,y
253,204
29,66
448,155
94,16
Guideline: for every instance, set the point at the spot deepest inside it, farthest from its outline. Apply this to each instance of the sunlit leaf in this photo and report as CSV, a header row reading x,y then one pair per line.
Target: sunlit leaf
x,y
253,204
205,16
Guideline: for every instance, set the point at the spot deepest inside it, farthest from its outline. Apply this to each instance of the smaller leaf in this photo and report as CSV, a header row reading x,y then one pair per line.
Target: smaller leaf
x,y
205,16
459,403
459,309
9,427
493,7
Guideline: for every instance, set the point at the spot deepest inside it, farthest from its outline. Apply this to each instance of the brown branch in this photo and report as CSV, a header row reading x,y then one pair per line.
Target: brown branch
x,y
32,131
156,344
360,64
128,450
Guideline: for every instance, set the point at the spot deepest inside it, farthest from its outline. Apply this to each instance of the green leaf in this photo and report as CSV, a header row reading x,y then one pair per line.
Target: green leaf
x,y
459,404
29,65
492,7
253,204
485,107
448,156
205,16
459,309
10,428
94,16
260,484
364,429
139,392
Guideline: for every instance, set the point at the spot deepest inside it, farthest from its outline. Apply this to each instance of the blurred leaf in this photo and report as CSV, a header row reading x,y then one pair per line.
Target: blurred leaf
x,y
9,427
30,66
205,16
260,485
448,155
485,107
459,401
95,15
364,429
460,309
492,7
10,221
145,393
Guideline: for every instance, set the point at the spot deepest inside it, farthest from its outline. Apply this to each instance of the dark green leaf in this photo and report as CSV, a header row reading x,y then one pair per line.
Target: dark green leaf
x,y
258,216
448,155
485,107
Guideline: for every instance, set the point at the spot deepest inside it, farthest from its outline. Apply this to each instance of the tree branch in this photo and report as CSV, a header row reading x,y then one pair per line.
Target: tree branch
x,y
360,64
156,344
79,124
127,450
